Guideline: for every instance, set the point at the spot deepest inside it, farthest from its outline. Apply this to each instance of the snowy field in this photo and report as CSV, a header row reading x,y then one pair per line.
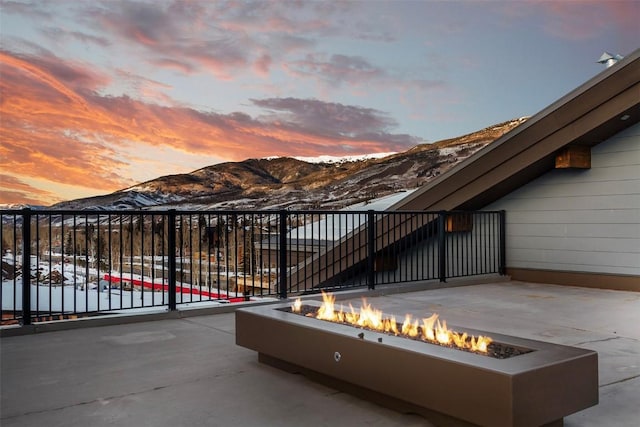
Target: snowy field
x,y
69,299
66,287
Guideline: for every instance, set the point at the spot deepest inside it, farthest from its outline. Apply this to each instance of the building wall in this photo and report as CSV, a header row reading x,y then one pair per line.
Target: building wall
x,y
580,220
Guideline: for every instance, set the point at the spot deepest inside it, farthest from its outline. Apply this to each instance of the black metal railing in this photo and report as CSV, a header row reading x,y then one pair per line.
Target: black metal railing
x,y
64,264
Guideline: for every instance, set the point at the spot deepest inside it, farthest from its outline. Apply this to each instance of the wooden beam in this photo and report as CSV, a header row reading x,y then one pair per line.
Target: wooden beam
x,y
574,157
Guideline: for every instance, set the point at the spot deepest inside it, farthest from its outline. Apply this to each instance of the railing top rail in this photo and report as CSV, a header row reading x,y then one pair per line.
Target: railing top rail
x,y
224,212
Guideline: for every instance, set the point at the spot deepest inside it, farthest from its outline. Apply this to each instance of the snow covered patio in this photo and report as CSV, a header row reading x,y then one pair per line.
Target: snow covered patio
x,y
188,371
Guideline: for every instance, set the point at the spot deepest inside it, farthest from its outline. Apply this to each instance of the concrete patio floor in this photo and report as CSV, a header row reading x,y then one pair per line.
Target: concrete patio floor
x,y
187,371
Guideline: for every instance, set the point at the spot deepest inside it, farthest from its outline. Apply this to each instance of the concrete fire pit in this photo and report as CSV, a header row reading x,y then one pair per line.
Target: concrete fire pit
x,y
538,387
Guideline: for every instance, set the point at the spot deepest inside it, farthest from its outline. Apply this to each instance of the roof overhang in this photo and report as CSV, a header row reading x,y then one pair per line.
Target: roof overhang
x,y
590,114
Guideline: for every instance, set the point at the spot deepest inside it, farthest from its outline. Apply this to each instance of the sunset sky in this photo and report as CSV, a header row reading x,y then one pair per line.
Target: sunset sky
x,y
96,96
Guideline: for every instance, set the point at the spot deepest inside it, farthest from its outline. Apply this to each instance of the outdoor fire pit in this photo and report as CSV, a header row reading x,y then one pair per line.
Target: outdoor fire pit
x,y
507,381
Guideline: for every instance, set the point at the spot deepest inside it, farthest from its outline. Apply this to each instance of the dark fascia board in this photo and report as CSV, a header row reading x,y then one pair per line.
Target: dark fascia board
x,y
587,115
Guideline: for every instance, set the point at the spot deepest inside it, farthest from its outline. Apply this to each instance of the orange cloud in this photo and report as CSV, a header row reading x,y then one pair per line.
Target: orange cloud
x,y
15,191
56,127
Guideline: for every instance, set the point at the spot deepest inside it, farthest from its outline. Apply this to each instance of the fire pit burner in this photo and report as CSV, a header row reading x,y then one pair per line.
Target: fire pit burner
x,y
536,388
494,349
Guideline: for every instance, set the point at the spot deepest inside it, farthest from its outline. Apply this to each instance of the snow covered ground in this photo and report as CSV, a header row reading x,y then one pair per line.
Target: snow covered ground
x,y
69,299
342,159
70,291
58,299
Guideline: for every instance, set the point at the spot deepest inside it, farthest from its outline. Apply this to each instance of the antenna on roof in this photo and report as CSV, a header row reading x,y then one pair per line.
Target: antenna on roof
x,y
609,59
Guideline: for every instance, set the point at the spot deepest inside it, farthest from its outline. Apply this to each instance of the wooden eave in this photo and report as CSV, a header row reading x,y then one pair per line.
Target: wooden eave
x,y
586,116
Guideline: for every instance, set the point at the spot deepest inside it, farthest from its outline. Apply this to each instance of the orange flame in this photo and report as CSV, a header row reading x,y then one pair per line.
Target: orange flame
x,y
431,329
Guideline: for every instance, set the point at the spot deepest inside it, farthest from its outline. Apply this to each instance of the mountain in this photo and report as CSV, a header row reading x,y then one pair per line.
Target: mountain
x,y
285,182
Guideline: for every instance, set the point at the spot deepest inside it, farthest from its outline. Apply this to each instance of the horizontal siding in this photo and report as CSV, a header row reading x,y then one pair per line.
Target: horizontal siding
x,y
564,217
580,220
561,231
543,204
625,141
577,244
590,189
586,176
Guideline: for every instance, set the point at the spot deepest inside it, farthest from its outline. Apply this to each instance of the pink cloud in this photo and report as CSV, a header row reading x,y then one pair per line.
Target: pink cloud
x,y
336,69
262,65
153,27
583,19
60,34
184,67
